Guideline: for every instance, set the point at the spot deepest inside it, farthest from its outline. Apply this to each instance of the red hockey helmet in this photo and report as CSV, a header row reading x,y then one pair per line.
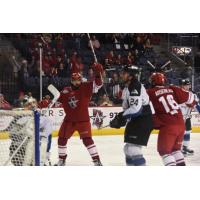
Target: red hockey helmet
x,y
76,76
158,79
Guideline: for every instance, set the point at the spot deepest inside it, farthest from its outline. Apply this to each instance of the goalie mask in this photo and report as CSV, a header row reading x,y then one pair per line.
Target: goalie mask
x,y
29,103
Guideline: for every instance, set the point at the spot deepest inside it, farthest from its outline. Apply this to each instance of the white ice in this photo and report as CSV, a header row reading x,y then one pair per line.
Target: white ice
x,y
110,149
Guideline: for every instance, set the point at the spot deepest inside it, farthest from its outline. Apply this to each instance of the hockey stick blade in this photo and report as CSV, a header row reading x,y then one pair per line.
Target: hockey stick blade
x,y
56,94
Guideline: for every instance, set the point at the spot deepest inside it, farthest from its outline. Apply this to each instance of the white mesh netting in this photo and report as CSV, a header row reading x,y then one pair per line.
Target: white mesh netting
x,y
17,131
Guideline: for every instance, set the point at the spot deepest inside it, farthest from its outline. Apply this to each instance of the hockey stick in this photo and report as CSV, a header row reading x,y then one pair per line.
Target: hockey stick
x,y
162,67
153,66
56,94
167,63
95,59
103,127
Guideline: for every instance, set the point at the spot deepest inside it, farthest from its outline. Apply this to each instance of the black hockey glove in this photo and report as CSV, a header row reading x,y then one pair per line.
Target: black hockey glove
x,y
118,121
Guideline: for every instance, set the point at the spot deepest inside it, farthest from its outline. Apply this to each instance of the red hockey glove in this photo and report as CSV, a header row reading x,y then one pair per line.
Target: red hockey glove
x,y
98,68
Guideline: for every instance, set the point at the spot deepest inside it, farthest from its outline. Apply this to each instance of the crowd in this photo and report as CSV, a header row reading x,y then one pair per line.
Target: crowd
x,y
63,54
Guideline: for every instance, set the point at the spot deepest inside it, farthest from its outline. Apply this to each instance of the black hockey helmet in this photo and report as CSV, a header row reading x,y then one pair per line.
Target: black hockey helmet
x,y
132,70
184,82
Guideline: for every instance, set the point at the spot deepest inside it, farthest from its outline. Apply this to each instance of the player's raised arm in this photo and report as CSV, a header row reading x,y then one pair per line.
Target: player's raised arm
x,y
98,80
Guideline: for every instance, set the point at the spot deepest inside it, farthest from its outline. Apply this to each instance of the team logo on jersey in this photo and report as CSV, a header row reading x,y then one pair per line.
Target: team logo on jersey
x,y
97,118
134,92
72,102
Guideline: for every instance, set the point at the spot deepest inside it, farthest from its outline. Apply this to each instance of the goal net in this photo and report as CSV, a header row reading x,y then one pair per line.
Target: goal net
x,y
19,138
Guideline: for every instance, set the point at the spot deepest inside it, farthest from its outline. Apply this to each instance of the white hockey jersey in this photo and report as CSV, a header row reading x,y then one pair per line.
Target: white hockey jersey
x,y
186,111
135,99
46,126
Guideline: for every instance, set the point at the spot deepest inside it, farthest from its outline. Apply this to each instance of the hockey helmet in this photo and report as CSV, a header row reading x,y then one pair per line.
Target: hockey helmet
x,y
132,70
158,78
76,76
184,82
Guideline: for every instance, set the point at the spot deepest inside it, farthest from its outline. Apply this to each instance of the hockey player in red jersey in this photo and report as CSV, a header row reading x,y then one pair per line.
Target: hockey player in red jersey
x,y
168,118
75,100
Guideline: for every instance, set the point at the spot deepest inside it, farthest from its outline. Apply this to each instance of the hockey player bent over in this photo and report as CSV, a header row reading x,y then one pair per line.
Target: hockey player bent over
x,y
168,118
75,100
185,84
138,116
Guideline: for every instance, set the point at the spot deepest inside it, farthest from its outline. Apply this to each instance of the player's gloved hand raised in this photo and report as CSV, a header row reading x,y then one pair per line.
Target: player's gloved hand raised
x,y
118,121
98,68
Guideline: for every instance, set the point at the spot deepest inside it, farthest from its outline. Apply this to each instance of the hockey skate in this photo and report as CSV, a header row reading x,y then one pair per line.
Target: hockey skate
x,y
97,163
186,151
47,162
61,162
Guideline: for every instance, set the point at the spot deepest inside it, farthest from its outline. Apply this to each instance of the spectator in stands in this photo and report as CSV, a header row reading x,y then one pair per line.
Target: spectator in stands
x,y
95,43
147,44
115,88
115,78
105,101
18,103
116,40
107,64
30,95
138,46
53,72
110,58
22,71
36,70
44,102
62,71
119,60
121,77
4,105
77,65
58,61
130,59
46,65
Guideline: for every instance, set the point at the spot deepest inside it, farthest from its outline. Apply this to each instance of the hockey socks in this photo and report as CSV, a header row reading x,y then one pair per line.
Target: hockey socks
x,y
186,138
133,154
91,147
168,160
180,161
176,158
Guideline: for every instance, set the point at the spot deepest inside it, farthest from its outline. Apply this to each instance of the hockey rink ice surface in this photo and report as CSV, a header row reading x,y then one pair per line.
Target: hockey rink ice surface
x,y
110,149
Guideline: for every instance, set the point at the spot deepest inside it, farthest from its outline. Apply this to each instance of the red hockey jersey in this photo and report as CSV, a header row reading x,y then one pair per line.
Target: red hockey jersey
x,y
165,100
76,101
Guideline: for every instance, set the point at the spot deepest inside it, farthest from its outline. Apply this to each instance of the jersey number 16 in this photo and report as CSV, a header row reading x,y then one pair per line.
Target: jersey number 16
x,y
169,104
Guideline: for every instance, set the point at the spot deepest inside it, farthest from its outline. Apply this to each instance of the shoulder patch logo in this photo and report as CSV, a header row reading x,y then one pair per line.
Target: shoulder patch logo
x,y
65,91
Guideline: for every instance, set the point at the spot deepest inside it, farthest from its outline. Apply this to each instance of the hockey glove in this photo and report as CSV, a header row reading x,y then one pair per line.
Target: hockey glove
x,y
98,68
118,121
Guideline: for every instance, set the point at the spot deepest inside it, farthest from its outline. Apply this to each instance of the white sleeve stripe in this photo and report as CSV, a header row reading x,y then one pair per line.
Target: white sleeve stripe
x,y
96,87
190,99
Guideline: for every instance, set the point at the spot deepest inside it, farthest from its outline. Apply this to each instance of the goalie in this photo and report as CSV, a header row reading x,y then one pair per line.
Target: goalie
x,y
23,155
